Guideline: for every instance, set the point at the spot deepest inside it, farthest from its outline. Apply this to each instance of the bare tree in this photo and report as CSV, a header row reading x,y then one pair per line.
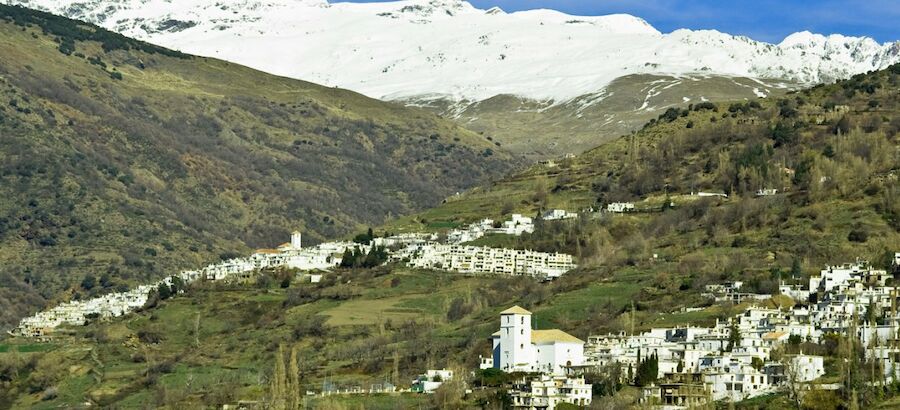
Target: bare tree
x,y
793,383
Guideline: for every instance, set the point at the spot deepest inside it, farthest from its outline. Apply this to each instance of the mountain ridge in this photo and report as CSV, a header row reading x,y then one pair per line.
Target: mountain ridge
x,y
400,50
125,161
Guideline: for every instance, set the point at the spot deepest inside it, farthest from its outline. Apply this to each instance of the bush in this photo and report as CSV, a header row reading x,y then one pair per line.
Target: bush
x,y
858,235
150,337
491,377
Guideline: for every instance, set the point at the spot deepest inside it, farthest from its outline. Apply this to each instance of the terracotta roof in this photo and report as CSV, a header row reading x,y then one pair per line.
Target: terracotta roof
x,y
552,335
515,310
774,335
284,245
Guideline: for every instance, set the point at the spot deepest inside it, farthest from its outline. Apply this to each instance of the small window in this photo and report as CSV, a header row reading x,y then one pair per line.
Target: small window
x,y
521,346
522,331
522,319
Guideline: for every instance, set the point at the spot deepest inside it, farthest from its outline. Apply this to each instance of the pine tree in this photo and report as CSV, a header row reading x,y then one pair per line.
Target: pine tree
x,y
734,337
348,259
796,269
164,291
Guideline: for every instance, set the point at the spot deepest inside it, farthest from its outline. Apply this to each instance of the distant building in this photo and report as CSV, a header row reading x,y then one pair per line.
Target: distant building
x,y
516,347
546,392
558,214
709,194
431,380
480,259
620,207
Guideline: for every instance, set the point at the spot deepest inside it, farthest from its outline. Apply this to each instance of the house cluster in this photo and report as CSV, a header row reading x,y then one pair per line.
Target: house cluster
x,y
481,259
291,255
546,359
418,249
733,360
517,225
696,365
79,312
731,292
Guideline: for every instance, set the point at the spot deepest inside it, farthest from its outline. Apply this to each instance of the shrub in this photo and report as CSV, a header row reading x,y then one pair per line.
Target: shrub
x,y
150,337
858,235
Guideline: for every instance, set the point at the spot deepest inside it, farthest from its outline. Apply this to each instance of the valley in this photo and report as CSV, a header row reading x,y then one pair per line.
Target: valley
x,y
637,270
479,209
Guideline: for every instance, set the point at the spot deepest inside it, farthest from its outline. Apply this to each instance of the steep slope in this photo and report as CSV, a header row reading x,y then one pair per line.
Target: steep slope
x,y
130,160
217,345
544,129
832,152
449,53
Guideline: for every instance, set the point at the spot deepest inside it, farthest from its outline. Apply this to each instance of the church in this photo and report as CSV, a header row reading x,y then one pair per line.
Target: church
x,y
519,348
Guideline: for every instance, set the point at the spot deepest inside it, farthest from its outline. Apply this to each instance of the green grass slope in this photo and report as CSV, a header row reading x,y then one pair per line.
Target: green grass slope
x,y
125,159
539,129
831,151
216,345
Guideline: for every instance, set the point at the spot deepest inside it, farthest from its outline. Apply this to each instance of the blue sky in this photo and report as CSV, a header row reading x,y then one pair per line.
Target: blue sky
x,y
766,20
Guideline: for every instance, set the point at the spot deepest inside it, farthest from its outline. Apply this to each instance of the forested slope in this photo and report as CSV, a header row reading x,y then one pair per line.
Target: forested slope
x,y
124,161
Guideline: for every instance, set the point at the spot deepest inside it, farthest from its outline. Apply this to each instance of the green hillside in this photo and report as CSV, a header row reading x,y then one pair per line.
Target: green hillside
x,y
218,344
546,129
832,152
126,160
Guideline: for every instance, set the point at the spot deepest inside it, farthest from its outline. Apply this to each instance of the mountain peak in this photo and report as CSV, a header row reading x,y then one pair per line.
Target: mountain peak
x,y
410,48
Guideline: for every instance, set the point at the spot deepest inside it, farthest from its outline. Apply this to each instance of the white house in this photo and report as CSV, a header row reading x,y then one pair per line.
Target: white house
x,y
517,225
795,292
558,214
431,380
709,194
620,207
848,275
546,392
807,367
516,347
479,259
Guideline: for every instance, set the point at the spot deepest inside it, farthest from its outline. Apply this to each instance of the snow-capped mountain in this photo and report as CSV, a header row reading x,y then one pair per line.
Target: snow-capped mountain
x,y
448,49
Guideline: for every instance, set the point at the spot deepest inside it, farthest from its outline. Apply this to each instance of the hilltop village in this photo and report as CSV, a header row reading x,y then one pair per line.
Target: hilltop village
x,y
448,252
419,250
759,351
